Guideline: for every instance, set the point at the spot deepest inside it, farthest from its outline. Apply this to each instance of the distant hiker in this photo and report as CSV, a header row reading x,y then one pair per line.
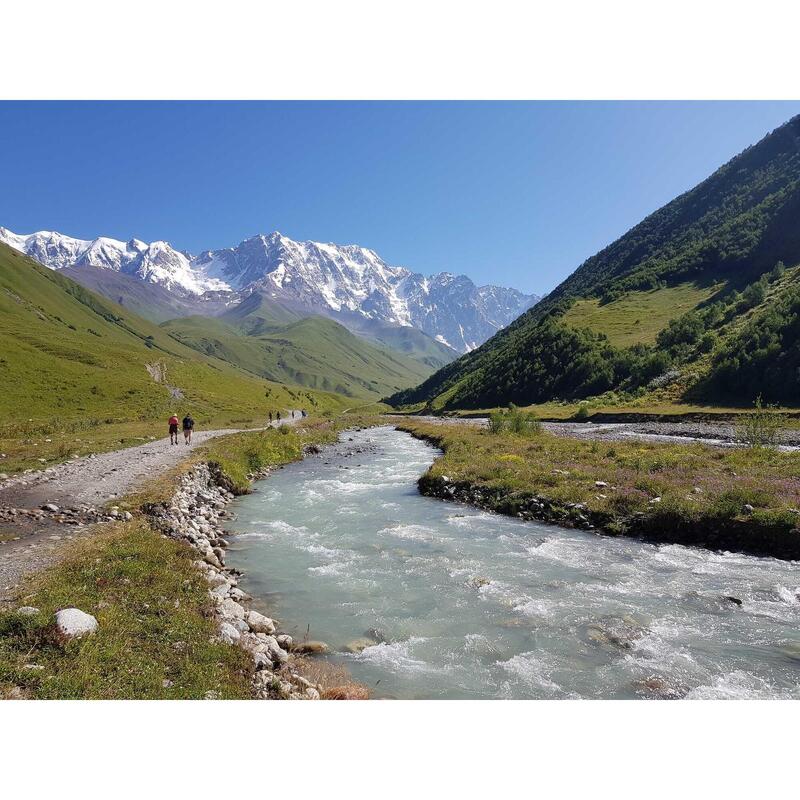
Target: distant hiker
x,y
278,417
188,427
304,413
270,418
293,414
173,429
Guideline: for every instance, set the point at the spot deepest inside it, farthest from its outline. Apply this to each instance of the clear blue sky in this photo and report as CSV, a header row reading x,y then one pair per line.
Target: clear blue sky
x,y
512,193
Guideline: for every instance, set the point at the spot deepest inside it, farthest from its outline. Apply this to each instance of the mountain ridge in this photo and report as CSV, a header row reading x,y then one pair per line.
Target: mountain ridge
x,y
325,278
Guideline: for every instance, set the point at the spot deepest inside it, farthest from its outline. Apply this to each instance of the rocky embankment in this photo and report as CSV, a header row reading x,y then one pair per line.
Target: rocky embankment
x,y
194,516
712,533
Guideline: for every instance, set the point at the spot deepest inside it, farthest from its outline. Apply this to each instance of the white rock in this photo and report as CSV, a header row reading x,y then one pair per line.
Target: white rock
x,y
230,609
259,623
27,611
73,623
228,633
600,484
284,640
50,507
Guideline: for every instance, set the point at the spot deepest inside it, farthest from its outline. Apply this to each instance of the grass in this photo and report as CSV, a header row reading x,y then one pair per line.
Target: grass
x,y
156,631
696,484
638,316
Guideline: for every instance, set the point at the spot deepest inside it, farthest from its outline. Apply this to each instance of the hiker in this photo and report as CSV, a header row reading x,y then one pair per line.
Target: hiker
x,y
304,413
188,427
292,413
278,417
173,429
270,418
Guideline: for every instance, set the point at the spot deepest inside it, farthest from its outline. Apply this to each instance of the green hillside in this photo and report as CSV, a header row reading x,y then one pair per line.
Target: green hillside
x,y
695,300
68,354
314,351
258,314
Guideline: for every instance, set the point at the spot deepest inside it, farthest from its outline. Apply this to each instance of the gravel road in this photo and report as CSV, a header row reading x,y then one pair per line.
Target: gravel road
x,y
31,541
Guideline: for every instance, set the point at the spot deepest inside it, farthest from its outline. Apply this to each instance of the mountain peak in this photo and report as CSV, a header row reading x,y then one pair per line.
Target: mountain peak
x,y
343,281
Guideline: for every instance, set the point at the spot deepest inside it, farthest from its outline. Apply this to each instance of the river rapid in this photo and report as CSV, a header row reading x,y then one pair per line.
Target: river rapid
x,y
421,598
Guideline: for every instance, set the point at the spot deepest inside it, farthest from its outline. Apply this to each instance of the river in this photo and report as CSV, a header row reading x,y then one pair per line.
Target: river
x,y
440,600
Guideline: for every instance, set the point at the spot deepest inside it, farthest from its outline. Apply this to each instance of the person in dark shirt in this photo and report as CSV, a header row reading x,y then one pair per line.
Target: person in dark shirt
x,y
188,427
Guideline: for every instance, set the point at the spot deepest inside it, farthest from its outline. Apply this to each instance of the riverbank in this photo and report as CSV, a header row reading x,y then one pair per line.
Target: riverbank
x,y
172,622
738,499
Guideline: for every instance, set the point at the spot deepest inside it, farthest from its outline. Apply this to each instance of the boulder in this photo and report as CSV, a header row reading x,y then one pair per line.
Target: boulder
x,y
229,609
259,623
310,647
285,641
228,633
73,623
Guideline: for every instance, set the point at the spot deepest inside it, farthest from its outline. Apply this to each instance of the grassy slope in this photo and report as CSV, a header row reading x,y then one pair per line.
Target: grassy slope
x,y
73,370
699,486
637,316
259,314
314,352
730,229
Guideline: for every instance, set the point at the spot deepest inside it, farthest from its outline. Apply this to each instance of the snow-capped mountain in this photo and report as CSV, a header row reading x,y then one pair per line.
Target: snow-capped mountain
x,y
331,279
157,262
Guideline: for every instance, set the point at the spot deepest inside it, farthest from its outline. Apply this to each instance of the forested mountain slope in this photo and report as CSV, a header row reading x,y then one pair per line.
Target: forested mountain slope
x,y
697,295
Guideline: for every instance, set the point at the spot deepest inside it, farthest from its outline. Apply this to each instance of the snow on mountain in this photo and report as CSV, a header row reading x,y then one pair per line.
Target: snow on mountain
x,y
153,263
325,278
350,278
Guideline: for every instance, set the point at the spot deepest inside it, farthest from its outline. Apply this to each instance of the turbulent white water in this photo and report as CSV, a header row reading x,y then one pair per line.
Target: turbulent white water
x,y
456,602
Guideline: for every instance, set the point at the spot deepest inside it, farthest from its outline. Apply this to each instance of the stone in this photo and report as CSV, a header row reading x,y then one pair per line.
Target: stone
x,y
74,623
27,611
600,484
230,609
216,578
312,693
310,647
52,507
285,641
259,623
357,645
228,633
278,654
735,600
748,509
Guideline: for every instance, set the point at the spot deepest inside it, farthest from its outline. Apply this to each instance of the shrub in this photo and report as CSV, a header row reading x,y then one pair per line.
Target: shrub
x,y
582,413
760,427
514,421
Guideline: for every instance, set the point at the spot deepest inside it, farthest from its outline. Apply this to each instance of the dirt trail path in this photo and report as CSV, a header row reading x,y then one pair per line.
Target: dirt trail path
x,y
29,542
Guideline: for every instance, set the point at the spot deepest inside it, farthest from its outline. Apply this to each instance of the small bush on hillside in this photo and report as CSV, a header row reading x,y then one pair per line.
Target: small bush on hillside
x,y
760,427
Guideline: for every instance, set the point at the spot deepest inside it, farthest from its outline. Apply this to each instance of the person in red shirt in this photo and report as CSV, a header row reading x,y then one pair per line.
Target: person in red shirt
x,y
173,429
